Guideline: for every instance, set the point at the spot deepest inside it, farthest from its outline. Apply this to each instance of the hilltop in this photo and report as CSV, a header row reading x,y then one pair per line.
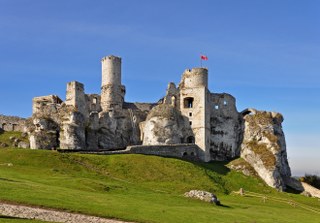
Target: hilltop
x,y
140,188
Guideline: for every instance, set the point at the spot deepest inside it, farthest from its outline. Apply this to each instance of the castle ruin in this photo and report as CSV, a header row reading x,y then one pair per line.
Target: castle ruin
x,y
188,114
189,122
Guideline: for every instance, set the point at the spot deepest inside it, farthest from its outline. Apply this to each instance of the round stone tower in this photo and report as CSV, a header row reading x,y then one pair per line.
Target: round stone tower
x,y
195,77
112,92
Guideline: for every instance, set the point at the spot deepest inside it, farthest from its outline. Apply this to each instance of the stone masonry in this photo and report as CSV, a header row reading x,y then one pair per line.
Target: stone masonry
x,y
12,123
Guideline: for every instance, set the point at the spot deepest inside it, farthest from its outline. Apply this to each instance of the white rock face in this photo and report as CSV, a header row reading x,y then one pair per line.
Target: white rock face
x,y
264,147
199,194
314,192
165,125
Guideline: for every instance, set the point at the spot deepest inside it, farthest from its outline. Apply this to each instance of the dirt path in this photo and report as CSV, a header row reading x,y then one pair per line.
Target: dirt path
x,y
42,214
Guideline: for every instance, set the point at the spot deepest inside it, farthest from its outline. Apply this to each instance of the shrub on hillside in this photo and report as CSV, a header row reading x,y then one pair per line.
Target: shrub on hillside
x,y
313,180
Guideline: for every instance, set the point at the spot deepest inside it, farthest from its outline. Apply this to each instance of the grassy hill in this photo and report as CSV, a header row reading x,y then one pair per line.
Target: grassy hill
x,y
140,188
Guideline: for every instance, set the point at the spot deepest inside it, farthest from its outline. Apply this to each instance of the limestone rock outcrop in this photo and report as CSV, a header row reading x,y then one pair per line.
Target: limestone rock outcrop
x,y
165,125
200,195
264,147
312,191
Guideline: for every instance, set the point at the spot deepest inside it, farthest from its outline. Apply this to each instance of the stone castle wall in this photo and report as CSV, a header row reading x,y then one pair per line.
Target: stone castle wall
x,y
225,127
12,123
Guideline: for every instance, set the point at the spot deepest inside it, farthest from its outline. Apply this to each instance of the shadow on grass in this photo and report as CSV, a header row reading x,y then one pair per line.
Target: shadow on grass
x,y
216,166
9,217
8,180
224,206
292,190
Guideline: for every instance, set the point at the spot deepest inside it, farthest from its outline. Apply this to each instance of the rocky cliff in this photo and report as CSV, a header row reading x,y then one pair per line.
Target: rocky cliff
x,y
165,125
264,147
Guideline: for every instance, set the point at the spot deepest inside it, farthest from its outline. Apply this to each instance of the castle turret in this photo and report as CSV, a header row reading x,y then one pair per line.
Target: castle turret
x,y
112,92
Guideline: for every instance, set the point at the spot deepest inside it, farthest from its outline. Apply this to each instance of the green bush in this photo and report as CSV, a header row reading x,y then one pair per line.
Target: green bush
x,y
313,180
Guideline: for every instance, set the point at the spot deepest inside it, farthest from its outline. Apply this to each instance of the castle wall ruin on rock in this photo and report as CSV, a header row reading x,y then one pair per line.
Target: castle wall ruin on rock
x,y
188,114
188,122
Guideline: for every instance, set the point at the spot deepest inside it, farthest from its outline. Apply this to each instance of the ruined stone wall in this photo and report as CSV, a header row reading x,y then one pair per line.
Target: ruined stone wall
x,y
172,96
43,102
76,97
176,150
12,123
93,102
44,127
225,127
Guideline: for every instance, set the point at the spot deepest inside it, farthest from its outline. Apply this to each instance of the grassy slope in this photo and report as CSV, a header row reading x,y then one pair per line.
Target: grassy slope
x,y
5,137
18,220
139,188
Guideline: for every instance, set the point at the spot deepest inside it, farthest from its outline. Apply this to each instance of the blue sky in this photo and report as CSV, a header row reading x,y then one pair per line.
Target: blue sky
x,y
266,53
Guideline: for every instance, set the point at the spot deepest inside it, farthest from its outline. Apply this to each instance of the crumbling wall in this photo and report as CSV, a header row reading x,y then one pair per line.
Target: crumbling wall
x,y
172,96
185,151
225,127
76,97
44,126
12,123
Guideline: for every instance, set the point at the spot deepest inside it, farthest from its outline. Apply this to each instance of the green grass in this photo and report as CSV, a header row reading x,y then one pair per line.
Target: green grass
x,y
5,137
140,188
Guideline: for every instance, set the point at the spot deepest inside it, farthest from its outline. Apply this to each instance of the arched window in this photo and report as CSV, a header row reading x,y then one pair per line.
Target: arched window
x,y
173,101
188,102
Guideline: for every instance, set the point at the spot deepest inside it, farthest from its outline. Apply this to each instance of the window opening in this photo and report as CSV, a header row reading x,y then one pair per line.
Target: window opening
x,y
190,139
188,102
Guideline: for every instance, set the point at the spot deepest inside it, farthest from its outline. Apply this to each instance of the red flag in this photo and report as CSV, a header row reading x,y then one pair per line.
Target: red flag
x,y
203,57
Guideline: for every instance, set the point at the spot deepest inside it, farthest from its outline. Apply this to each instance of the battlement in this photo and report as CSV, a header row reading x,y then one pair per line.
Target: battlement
x,y
76,85
111,57
196,70
195,77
